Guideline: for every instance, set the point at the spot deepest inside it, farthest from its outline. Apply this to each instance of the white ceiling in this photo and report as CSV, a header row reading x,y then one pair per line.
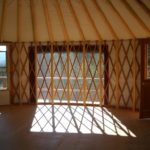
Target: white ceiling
x,y
73,20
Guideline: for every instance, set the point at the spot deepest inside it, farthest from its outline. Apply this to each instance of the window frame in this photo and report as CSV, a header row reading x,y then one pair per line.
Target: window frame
x,y
147,48
6,67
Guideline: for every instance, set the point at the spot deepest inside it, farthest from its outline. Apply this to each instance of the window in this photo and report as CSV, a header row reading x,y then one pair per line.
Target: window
x,y
3,68
148,61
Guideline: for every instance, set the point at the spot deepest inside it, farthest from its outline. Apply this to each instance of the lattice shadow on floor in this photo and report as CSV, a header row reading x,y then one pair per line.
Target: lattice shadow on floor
x,y
78,119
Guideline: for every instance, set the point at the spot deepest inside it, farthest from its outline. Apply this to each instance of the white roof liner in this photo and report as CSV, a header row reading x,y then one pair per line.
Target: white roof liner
x,y
73,20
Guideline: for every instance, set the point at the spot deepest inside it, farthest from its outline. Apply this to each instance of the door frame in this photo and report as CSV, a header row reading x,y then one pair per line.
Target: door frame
x,y
144,81
32,67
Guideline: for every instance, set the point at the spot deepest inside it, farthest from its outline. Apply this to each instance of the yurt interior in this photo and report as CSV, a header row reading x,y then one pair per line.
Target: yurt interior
x,y
74,74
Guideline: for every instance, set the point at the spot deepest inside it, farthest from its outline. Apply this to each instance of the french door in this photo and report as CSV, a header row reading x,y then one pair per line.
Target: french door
x,y
71,74
145,79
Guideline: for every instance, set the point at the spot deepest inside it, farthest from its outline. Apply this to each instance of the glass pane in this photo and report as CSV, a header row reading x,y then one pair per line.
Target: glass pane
x,y
3,69
60,76
148,61
2,59
76,76
43,76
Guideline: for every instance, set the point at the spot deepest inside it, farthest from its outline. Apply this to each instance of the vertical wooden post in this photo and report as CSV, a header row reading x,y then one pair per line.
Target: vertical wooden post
x,y
117,72
84,74
106,74
68,75
36,75
18,47
32,73
52,74
11,73
100,74
134,75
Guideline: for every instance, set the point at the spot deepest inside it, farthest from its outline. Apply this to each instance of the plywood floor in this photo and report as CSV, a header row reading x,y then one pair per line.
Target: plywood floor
x,y
71,128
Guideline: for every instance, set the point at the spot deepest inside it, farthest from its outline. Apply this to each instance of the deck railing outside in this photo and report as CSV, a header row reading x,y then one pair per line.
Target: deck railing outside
x,y
3,82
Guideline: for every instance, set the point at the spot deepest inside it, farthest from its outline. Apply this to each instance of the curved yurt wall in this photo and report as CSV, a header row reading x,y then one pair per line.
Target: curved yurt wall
x,y
64,29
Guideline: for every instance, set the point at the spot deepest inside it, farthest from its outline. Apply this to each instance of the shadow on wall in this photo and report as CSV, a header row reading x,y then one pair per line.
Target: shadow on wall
x,y
78,119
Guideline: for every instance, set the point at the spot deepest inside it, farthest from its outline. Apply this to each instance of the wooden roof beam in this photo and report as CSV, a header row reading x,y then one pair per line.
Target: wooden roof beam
x,y
60,14
92,21
3,16
19,19
121,18
105,19
76,19
48,20
34,24
133,13
144,7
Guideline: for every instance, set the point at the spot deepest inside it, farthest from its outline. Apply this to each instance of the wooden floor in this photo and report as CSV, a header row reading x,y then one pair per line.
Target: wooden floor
x,y
82,128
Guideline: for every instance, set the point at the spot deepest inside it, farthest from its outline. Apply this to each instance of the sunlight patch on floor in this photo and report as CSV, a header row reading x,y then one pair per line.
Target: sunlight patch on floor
x,y
64,101
78,119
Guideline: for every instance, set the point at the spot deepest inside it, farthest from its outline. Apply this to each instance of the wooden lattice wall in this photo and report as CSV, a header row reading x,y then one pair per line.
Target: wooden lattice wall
x,y
121,70
124,73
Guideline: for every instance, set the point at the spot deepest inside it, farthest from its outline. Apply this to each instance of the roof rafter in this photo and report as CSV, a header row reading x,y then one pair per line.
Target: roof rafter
x,y
3,17
34,24
61,17
76,19
48,20
91,20
105,19
133,13
19,19
145,8
121,18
